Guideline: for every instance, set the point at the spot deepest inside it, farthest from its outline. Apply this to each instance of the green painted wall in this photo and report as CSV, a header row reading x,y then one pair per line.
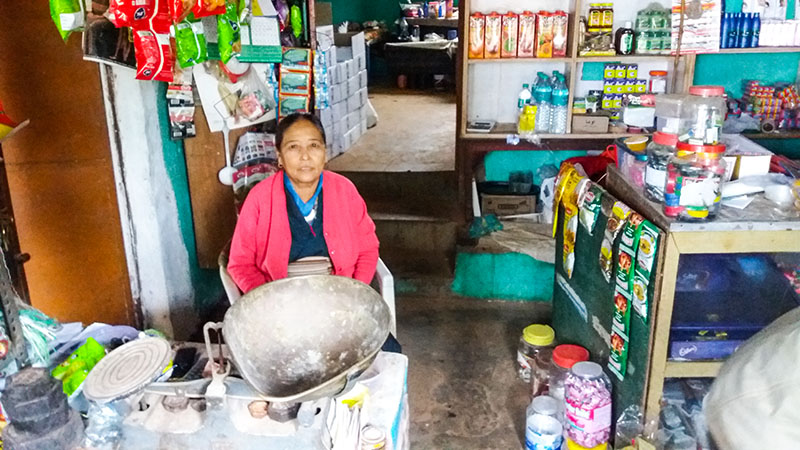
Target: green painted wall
x,y
206,282
363,10
507,276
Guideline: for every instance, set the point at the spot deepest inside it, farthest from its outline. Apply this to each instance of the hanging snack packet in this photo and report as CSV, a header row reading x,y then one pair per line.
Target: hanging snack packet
x,y
205,8
590,204
153,15
296,59
154,60
179,10
190,43
616,220
229,36
68,15
254,99
645,259
295,82
120,13
290,104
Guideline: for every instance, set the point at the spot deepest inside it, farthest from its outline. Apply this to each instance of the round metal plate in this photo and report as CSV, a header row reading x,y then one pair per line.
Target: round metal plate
x,y
127,369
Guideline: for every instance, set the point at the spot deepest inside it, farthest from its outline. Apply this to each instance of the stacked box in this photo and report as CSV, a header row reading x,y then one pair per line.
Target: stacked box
x,y
620,80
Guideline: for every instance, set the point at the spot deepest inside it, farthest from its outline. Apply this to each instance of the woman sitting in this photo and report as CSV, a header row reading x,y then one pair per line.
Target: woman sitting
x,y
302,213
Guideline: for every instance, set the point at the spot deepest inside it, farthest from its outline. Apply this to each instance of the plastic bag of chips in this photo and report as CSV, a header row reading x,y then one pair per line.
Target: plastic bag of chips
x,y
230,42
68,15
154,15
205,8
190,43
180,9
154,60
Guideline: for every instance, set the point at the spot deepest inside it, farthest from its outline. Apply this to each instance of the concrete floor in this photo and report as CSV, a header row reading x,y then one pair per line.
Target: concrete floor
x,y
464,392
415,132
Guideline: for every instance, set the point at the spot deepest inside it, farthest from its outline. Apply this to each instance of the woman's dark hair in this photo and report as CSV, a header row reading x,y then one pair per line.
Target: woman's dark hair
x,y
290,120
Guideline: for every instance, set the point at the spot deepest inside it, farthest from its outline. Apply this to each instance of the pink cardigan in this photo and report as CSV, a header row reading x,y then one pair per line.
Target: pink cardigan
x,y
262,239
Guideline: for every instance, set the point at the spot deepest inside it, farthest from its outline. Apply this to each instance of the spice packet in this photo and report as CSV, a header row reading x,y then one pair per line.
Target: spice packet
x,y
627,251
68,16
290,104
154,60
527,35
616,220
493,35
190,43
477,24
510,35
645,260
566,190
296,59
295,82
181,106
618,356
228,32
591,203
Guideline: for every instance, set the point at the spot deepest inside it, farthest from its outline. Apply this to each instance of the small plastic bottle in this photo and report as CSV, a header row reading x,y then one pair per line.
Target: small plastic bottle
x,y
543,432
624,40
545,405
523,98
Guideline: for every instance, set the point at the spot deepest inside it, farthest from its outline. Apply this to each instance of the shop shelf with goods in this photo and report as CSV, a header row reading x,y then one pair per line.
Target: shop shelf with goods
x,y
758,230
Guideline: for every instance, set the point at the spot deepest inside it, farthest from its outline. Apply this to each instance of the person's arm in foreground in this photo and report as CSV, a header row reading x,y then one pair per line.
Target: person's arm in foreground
x,y
242,264
367,243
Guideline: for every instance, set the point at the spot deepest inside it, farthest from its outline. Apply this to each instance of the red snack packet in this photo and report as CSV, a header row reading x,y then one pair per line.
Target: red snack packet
x,y
120,13
141,14
180,9
154,59
205,8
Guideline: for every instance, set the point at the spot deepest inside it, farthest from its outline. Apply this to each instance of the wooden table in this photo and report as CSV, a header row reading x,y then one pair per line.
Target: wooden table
x,y
759,228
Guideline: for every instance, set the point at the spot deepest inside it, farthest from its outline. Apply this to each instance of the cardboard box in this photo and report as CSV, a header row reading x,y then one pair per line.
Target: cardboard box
x,y
361,62
364,113
353,120
589,124
352,68
347,141
339,128
363,126
751,158
341,72
339,110
363,78
507,205
325,34
353,105
363,97
355,133
359,43
344,54
352,86
325,116
336,94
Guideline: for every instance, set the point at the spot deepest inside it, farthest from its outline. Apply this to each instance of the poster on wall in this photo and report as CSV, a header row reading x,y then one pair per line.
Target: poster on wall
x,y
105,43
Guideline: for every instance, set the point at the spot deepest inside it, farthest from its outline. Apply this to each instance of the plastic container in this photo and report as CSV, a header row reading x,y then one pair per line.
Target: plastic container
x,y
659,153
545,405
571,445
632,158
694,182
564,357
543,432
535,338
703,113
658,82
588,403
542,95
668,113
559,108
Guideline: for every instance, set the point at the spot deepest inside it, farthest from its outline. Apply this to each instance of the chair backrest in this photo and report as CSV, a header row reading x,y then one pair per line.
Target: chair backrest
x,y
383,283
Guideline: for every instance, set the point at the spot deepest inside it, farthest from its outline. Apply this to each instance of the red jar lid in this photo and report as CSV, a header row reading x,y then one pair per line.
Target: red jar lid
x,y
687,147
665,138
566,355
707,91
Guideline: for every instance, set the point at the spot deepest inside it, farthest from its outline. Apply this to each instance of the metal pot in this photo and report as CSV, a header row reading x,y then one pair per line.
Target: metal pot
x,y
299,339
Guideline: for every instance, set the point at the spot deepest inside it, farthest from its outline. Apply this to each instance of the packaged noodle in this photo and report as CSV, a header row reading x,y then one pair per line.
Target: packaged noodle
x,y
190,43
510,35
68,16
230,42
154,60
477,24
494,25
527,35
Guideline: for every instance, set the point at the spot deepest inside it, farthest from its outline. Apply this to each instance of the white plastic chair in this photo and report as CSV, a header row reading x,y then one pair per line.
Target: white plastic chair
x,y
383,283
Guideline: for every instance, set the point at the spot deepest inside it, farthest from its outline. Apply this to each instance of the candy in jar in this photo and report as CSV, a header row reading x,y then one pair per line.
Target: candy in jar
x,y
588,405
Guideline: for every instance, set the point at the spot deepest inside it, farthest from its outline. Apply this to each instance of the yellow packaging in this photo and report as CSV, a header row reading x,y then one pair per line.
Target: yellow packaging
x,y
544,35
477,23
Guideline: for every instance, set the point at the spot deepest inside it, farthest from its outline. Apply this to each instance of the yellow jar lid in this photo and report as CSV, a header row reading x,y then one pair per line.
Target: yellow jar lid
x,y
636,143
573,446
540,335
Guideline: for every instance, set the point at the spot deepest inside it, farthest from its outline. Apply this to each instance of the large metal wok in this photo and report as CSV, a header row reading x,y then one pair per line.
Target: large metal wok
x,y
302,338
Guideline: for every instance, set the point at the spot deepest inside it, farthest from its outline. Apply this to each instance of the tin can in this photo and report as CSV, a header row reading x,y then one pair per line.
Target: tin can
x,y
372,438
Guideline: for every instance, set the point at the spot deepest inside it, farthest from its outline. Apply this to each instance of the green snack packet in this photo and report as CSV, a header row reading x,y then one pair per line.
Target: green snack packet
x,y
230,41
68,15
190,42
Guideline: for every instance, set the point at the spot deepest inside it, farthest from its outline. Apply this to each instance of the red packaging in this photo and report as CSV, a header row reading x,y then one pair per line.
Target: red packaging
x,y
493,35
154,59
180,9
141,14
205,8
120,13
510,36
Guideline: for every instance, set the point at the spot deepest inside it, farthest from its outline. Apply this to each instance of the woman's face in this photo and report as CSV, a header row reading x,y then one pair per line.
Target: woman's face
x,y
302,153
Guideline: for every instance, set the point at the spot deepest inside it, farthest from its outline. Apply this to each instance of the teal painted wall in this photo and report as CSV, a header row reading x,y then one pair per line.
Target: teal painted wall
x,y
499,164
507,276
363,10
206,282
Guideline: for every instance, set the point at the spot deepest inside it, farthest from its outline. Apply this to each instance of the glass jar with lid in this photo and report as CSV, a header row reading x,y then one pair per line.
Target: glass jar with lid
x,y
588,403
659,152
703,113
694,180
535,338
564,357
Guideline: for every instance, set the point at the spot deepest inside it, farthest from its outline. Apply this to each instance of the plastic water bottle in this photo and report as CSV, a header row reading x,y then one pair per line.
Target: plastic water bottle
x,y
542,94
542,433
560,100
523,98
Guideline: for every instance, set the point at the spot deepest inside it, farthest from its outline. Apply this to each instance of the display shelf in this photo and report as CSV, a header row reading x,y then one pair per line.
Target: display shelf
x,y
501,130
773,135
432,23
516,60
692,369
623,58
758,50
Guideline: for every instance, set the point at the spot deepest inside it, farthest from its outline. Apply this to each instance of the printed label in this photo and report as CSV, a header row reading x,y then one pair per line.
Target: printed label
x,y
537,441
655,178
588,419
